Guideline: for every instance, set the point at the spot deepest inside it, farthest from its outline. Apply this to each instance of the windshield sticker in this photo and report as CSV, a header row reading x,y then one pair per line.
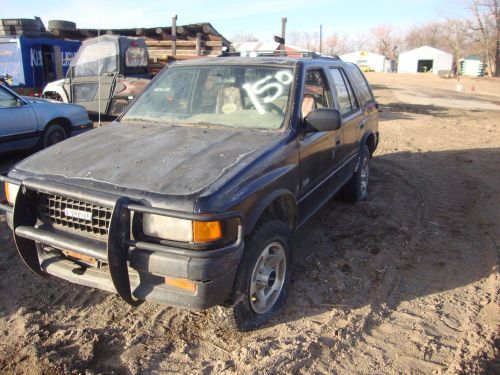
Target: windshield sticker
x,y
162,89
276,84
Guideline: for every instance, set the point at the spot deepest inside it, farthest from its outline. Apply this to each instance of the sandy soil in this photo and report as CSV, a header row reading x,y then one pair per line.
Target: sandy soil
x,y
405,283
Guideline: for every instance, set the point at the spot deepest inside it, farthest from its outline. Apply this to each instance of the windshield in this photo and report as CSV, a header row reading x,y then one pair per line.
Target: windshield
x,y
232,96
96,58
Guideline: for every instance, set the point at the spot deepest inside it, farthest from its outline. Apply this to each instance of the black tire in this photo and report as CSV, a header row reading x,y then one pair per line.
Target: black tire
x,y
241,316
355,190
61,25
53,134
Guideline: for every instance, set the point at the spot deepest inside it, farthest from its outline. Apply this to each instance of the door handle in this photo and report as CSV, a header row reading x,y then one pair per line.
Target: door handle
x,y
337,142
362,124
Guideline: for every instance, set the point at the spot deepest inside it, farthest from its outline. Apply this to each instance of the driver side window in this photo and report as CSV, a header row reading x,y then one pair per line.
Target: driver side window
x,y
7,100
316,92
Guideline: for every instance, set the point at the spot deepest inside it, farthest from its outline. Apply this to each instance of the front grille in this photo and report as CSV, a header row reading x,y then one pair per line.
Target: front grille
x,y
73,215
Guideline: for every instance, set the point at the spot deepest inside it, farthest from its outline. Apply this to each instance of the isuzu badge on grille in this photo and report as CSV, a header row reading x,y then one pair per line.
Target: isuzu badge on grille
x,y
77,214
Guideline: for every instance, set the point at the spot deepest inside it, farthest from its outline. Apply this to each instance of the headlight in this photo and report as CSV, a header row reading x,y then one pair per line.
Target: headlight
x,y
170,228
11,192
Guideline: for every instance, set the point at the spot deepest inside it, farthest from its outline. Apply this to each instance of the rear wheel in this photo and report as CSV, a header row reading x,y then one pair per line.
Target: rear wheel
x,y
357,187
261,284
53,134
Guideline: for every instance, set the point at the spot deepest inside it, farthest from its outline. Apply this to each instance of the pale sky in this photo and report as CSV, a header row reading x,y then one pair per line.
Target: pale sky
x,y
259,17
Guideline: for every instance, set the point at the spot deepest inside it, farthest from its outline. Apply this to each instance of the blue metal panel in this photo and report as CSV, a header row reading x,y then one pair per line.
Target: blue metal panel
x,y
10,60
27,60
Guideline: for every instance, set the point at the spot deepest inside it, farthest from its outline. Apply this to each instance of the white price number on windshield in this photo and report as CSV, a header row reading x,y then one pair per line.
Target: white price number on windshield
x,y
256,90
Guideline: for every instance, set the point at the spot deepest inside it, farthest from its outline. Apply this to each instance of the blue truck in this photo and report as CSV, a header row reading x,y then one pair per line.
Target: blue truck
x,y
32,62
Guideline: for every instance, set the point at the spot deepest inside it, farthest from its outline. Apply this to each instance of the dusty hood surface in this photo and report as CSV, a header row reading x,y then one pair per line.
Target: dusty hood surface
x,y
156,158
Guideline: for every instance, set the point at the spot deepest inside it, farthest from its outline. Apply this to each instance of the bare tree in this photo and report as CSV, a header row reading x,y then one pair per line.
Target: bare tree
x,y
493,7
486,30
384,40
457,39
337,44
242,36
305,39
428,34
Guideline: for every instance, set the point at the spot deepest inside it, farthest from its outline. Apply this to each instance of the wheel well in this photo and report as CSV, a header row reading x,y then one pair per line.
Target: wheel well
x,y
64,122
370,142
282,208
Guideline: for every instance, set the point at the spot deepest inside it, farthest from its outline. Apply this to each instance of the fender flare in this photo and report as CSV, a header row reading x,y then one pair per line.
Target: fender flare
x,y
255,213
365,138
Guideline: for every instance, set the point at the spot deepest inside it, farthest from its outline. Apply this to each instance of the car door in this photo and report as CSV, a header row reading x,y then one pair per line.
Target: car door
x,y
18,123
352,117
319,151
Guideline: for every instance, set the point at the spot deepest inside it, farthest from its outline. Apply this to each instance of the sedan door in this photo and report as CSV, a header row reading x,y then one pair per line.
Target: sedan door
x,y
18,123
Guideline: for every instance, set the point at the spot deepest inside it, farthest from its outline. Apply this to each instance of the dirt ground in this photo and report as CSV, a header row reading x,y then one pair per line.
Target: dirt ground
x,y
404,283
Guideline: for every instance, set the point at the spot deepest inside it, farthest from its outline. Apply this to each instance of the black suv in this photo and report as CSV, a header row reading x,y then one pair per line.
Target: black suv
x,y
191,197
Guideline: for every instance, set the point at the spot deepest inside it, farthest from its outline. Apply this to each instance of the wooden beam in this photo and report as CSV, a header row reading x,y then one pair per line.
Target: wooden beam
x,y
161,32
182,31
168,43
208,30
215,43
198,44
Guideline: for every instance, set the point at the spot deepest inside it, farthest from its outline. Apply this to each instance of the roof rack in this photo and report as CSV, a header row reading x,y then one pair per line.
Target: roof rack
x,y
315,55
254,53
278,53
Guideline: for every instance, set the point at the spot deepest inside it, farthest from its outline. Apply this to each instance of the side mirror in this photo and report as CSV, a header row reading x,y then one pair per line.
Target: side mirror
x,y
324,119
19,103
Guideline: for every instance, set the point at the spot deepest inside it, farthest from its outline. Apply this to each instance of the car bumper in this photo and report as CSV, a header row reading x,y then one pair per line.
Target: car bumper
x,y
81,128
137,271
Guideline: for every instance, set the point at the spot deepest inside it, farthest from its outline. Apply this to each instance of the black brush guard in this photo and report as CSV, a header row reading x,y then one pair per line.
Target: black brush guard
x,y
115,252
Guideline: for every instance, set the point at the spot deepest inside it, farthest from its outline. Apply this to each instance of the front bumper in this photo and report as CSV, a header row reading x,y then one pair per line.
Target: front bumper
x,y
133,269
81,128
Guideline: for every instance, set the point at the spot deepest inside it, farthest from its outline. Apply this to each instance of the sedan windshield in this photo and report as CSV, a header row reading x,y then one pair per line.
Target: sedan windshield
x,y
232,96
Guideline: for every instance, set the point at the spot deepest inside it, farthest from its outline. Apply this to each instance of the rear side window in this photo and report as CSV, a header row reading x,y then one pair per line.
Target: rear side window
x,y
364,91
348,102
135,57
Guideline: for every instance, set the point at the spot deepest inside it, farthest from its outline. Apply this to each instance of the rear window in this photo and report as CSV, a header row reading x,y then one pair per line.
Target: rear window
x,y
135,57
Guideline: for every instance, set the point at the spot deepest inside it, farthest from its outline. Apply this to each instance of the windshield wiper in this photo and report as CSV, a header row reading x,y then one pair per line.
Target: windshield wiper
x,y
139,119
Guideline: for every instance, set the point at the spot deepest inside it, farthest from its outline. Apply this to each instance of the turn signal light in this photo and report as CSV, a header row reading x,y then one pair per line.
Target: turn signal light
x,y
11,192
185,284
206,231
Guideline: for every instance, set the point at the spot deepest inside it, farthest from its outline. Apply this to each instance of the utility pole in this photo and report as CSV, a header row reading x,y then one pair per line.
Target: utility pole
x,y
320,39
283,32
174,34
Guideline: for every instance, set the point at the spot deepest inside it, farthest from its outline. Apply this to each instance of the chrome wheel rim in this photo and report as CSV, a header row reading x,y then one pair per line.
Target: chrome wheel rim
x,y
365,172
268,278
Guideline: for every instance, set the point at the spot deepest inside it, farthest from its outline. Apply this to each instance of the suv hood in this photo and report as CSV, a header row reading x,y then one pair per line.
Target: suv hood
x,y
160,159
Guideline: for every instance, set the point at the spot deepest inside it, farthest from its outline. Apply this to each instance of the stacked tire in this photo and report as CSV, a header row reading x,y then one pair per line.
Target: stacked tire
x,y
61,25
21,26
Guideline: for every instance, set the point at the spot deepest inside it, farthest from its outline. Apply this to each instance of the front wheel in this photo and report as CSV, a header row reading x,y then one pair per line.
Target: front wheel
x,y
261,284
53,134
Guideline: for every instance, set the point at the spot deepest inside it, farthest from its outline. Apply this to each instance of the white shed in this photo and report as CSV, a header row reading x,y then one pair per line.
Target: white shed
x,y
472,66
425,59
368,61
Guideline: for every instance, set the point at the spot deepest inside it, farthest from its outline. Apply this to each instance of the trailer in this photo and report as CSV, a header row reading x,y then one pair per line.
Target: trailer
x,y
35,61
